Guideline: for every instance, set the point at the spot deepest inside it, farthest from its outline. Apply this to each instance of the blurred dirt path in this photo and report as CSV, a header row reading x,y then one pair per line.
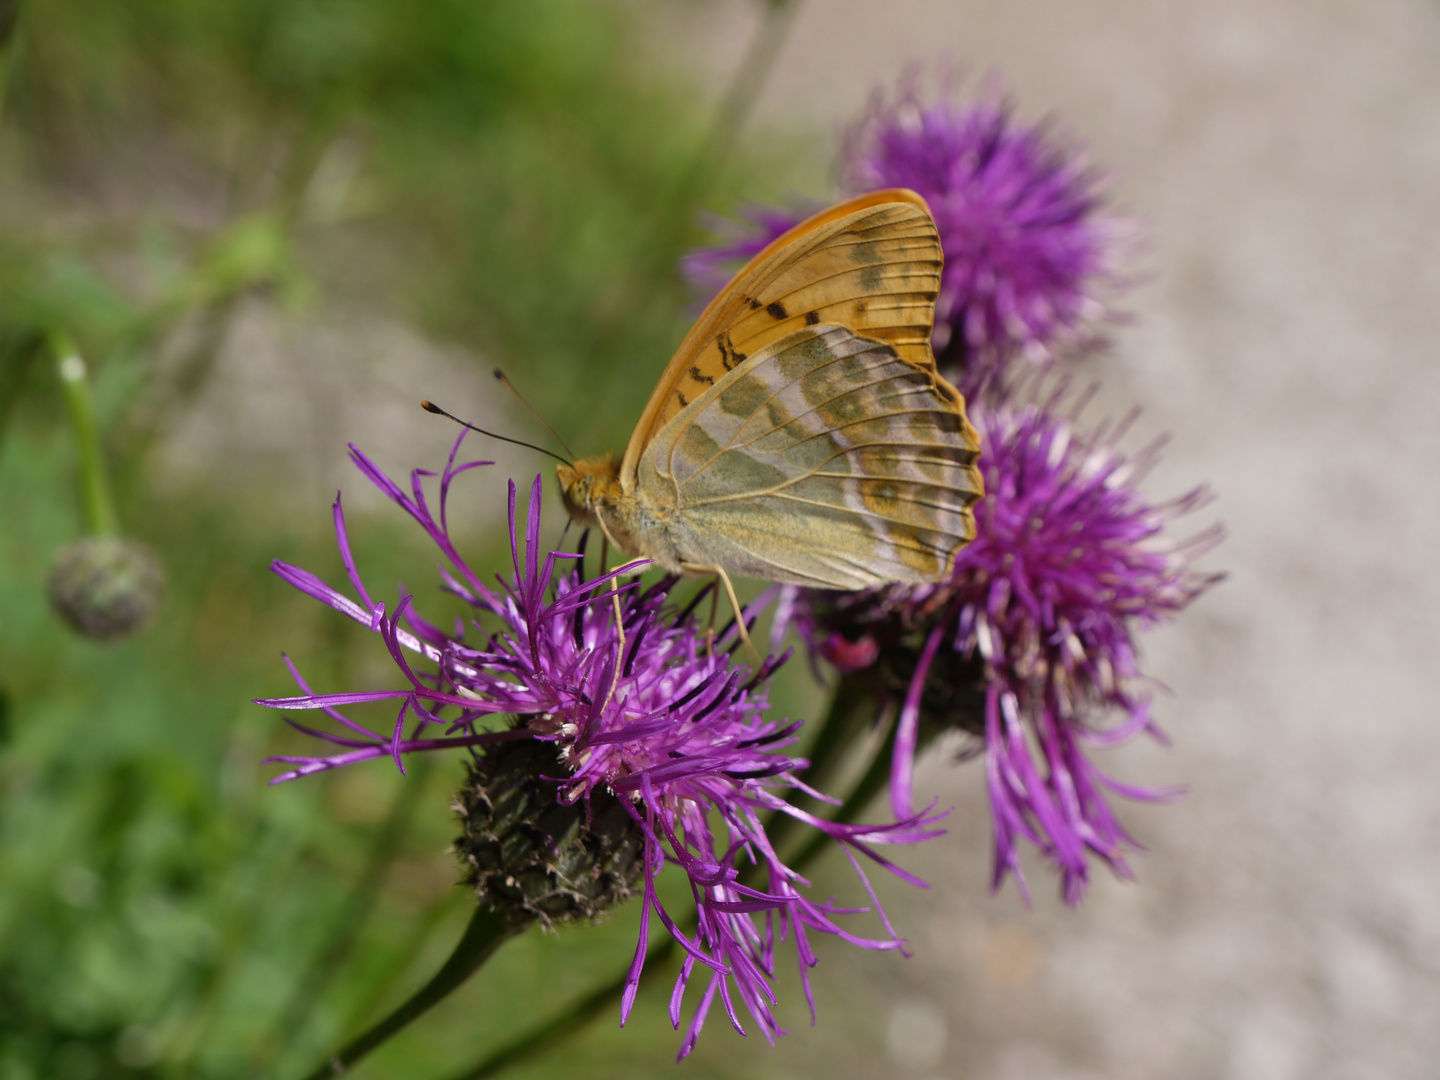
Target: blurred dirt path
x,y
1286,923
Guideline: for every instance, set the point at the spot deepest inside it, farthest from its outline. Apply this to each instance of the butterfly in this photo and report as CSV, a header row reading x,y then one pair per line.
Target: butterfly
x,y
801,433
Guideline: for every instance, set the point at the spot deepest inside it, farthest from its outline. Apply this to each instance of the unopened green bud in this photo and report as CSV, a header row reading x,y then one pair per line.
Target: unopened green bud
x,y
104,587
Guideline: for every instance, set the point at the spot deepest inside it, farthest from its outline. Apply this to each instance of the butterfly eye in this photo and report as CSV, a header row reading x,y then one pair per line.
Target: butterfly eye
x,y
576,492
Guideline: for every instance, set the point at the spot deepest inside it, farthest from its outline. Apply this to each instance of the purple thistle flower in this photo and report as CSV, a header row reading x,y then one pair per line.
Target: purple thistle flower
x,y
673,729
1031,255
1032,640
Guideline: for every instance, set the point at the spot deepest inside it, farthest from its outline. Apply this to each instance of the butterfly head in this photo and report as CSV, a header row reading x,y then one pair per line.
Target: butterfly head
x,y
586,484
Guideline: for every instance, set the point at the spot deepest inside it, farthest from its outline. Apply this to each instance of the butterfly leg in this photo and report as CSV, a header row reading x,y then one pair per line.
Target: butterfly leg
x,y
719,572
619,633
710,627
634,567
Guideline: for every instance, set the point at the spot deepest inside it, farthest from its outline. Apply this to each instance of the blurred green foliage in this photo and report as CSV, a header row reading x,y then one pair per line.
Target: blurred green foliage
x,y
509,175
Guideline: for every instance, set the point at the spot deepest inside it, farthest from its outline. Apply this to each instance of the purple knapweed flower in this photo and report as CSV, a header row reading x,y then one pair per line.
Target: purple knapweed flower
x,y
1031,642
649,714
1032,254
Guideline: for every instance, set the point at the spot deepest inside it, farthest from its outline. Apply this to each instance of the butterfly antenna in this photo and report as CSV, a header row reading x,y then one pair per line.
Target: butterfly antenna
x,y
430,406
500,376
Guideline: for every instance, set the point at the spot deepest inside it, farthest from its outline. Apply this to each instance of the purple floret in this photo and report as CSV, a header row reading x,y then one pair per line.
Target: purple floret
x,y
678,732
1031,253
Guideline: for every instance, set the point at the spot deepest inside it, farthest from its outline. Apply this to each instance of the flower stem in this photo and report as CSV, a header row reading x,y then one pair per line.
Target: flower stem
x,y
486,932
401,957
740,95
870,785
567,1023
96,502
850,709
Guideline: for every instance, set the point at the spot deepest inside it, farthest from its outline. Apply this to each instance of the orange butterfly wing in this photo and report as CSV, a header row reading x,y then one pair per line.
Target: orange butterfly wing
x,y
871,264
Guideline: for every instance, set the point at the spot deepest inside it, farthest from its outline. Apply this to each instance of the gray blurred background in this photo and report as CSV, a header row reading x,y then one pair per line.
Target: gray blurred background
x,y
1285,158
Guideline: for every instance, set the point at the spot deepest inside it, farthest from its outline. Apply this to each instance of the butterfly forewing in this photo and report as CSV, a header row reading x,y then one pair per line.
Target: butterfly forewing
x,y
871,264
824,459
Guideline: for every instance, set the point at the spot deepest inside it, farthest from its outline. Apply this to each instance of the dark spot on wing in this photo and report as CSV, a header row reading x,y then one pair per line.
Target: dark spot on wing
x,y
681,396
744,396
775,309
866,252
811,318
777,413
859,307
871,278
697,447
728,354
700,377
755,305
803,357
